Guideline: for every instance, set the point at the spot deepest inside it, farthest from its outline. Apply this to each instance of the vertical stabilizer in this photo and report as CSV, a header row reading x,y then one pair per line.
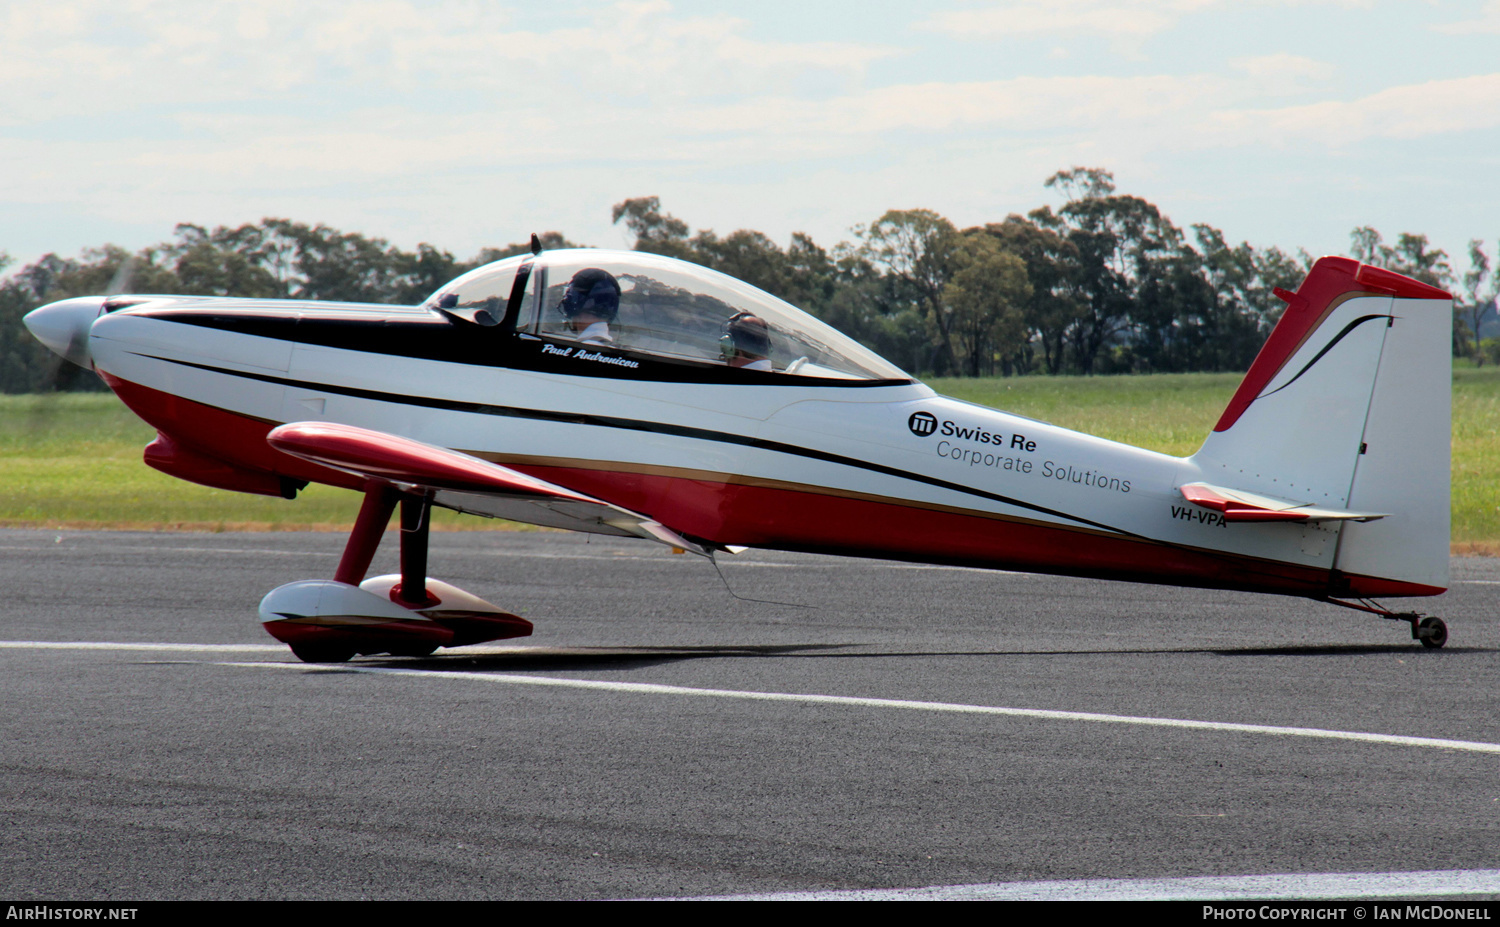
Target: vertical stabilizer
x,y
1348,406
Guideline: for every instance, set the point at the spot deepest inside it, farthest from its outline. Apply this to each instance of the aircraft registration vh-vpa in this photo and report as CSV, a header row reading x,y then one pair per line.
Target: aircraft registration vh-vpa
x,y
629,394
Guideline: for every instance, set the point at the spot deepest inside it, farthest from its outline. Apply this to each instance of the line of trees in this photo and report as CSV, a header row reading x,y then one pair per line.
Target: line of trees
x,y
272,259
1104,284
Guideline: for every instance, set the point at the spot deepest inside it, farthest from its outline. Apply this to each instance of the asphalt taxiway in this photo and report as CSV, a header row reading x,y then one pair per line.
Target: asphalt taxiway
x,y
871,726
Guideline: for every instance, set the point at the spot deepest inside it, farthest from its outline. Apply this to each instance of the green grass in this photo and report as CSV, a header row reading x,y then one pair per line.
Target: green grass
x,y
75,460
1476,456
1170,413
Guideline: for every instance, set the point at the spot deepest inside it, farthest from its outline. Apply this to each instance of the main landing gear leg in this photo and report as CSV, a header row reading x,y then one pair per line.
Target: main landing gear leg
x,y
411,592
405,615
1430,630
416,516
364,540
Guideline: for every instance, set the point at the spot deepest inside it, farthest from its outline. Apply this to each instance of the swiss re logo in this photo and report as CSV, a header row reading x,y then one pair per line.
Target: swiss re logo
x,y
922,424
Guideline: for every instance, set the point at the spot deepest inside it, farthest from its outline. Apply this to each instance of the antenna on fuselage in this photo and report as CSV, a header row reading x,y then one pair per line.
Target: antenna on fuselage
x,y
536,244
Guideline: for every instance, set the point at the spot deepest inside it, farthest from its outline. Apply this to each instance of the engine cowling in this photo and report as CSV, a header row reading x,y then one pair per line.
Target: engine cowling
x,y
174,458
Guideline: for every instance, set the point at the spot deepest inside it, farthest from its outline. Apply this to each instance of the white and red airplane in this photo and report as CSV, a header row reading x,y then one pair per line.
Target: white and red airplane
x,y
628,394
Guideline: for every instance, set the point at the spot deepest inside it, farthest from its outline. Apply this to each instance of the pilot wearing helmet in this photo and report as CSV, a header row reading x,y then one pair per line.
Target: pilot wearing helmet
x,y
591,302
746,342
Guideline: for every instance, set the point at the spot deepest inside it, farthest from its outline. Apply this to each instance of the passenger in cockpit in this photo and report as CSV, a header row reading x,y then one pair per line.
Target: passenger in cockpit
x,y
591,302
746,342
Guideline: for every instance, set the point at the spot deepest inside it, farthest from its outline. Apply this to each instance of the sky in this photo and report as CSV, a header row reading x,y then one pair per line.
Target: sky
x,y
469,124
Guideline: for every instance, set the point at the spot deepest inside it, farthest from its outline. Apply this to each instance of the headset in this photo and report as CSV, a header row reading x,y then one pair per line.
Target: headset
x,y
744,332
593,291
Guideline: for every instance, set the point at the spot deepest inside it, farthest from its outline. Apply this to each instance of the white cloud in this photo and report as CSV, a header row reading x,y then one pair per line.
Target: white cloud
x,y
288,154
1407,112
1281,74
1026,104
1031,17
1118,19
92,57
1060,117
1272,65
1488,21
417,118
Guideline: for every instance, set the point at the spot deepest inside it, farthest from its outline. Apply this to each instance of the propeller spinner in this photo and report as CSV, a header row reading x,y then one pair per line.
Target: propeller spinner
x,y
64,326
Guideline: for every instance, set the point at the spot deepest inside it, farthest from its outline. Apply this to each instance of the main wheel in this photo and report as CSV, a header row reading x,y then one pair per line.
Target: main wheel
x,y
312,653
1432,632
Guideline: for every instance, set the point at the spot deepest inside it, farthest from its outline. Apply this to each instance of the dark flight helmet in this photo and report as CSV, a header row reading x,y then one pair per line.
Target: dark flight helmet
x,y
593,291
746,333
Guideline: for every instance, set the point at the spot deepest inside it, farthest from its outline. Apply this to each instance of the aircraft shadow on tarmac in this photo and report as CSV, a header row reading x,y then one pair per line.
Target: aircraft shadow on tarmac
x,y
1343,650
590,658
593,658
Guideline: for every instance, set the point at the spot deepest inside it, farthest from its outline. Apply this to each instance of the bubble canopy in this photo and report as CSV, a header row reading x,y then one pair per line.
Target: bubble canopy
x,y
667,309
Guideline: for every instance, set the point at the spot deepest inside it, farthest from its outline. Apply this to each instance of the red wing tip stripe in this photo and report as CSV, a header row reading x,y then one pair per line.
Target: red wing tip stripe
x,y
391,457
1199,494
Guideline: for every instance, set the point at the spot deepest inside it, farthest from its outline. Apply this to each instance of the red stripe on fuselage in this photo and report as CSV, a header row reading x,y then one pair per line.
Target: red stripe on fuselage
x,y
820,522
229,436
813,519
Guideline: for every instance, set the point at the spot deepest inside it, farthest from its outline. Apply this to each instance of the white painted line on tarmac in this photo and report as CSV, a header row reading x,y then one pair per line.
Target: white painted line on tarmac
x,y
120,645
728,562
125,549
645,688
1298,886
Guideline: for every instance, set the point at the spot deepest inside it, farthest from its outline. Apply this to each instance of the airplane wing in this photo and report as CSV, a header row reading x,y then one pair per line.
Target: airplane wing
x,y
1237,505
466,483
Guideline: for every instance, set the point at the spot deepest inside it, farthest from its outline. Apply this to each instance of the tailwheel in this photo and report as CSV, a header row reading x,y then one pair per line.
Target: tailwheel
x,y
1432,632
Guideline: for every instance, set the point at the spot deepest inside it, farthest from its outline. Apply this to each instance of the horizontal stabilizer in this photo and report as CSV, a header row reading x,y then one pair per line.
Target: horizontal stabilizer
x,y
453,475
1237,505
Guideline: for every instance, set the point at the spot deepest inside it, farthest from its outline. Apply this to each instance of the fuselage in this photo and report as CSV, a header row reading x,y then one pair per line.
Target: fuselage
x,y
876,467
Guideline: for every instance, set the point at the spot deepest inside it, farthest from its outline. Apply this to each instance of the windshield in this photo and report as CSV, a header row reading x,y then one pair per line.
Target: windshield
x,y
481,295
